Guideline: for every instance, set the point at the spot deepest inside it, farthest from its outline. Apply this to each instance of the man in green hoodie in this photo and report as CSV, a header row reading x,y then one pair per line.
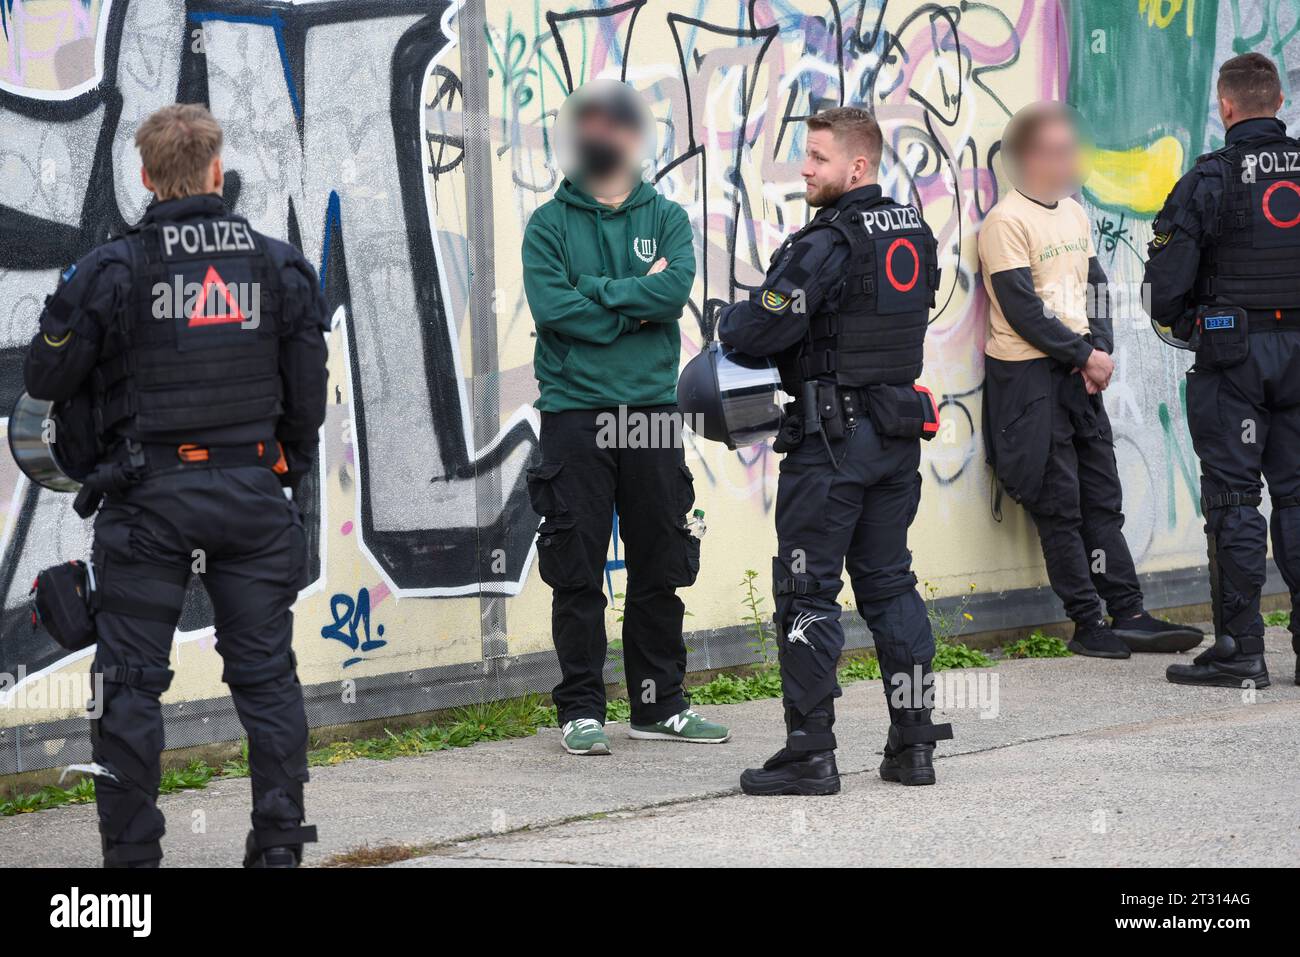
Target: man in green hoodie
x,y
608,265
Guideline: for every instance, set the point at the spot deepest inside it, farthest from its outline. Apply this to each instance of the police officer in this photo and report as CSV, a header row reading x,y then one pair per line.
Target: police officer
x,y
1223,275
844,310
201,343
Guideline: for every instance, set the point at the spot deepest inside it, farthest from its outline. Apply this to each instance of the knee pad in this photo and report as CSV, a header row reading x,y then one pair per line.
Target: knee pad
x,y
1234,594
900,630
810,638
126,790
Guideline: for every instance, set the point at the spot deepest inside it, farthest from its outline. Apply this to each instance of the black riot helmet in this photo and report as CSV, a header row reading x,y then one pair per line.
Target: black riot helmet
x,y
730,397
53,442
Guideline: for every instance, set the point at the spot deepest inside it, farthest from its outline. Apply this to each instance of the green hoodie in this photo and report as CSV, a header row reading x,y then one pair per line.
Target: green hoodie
x,y
607,333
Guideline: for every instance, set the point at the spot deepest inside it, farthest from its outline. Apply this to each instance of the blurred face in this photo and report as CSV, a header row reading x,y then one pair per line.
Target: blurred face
x,y
1053,162
829,171
607,149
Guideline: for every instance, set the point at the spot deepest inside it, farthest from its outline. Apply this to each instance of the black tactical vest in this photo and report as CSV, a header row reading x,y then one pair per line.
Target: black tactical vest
x,y
1252,254
197,348
871,329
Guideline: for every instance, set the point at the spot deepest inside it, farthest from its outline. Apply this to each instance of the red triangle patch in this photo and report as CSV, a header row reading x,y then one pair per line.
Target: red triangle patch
x,y
200,316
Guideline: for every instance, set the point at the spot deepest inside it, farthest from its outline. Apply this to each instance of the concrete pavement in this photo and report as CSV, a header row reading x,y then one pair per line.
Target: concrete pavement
x,y
1075,761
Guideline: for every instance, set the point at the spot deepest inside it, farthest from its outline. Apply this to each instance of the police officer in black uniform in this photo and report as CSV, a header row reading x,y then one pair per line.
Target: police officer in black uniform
x,y
844,309
201,344
1223,274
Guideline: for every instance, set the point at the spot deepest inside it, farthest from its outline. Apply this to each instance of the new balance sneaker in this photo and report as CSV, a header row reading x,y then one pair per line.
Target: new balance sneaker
x,y
1095,640
686,726
1146,633
585,736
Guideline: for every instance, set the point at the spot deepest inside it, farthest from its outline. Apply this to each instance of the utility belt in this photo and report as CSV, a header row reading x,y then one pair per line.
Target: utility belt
x,y
1221,334
136,461
834,411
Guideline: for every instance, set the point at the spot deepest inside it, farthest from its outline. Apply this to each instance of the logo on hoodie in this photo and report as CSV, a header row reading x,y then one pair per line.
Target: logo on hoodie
x,y
645,249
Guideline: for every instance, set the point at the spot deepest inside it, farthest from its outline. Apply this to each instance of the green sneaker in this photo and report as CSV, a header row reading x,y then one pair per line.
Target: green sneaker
x,y
585,736
684,726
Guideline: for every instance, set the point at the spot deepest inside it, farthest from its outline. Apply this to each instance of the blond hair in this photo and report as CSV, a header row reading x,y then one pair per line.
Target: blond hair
x,y
177,144
854,128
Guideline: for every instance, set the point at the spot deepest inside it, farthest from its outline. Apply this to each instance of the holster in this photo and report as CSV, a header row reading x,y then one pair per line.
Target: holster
x,y
113,476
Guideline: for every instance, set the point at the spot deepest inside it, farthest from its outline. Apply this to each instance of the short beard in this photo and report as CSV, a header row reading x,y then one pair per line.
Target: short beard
x,y
825,196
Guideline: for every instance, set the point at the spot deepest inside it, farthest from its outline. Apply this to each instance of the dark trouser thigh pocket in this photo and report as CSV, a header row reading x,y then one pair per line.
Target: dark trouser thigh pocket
x,y
687,566
559,555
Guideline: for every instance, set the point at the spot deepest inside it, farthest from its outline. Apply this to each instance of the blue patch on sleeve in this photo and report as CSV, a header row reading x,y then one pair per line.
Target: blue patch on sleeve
x,y
69,272
1219,322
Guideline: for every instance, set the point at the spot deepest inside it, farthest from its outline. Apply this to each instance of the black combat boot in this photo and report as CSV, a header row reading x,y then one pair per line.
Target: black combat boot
x,y
909,748
1228,663
806,765
285,855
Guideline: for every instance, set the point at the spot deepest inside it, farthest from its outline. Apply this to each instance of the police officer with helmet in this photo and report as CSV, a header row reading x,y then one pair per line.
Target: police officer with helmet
x,y
198,346
1223,275
844,311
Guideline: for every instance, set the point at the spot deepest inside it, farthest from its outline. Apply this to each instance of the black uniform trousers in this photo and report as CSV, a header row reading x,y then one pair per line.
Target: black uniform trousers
x,y
857,515
589,477
234,528
1245,421
1052,448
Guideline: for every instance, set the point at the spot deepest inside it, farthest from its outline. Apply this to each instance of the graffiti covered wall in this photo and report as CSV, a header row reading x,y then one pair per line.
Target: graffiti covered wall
x,y
403,144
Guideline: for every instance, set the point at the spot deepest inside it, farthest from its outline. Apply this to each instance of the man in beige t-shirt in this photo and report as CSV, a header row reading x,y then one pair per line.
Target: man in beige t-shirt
x,y
1046,432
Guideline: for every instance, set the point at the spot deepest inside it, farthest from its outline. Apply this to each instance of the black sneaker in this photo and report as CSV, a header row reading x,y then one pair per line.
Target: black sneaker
x,y
1095,640
793,772
1222,665
1144,633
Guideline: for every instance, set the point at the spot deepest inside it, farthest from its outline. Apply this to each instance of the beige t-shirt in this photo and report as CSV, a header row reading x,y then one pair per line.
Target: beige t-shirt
x,y
1055,245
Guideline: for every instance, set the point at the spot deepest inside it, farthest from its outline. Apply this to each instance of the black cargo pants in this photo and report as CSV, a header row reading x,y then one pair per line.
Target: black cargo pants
x,y
1052,448
857,515
234,528
1245,422
589,478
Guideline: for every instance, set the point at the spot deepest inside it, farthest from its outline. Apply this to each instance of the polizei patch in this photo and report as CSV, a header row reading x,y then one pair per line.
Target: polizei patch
x,y
1273,161
208,238
892,220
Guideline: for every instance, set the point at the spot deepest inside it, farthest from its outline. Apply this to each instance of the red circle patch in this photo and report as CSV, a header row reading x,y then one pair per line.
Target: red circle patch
x,y
1268,213
889,264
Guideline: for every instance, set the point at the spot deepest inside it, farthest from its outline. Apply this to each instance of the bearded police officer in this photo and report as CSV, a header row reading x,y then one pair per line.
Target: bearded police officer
x,y
1223,274
844,310
201,345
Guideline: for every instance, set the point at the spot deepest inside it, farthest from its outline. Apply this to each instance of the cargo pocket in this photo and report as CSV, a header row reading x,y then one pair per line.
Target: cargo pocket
x,y
559,556
542,493
559,562
685,567
1021,450
685,489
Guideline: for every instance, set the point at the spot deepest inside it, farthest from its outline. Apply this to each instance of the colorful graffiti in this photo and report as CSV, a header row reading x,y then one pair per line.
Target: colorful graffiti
x,y
403,144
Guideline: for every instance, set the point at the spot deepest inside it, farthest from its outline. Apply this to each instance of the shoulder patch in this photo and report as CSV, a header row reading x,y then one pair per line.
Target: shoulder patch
x,y
774,301
1159,239
69,272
